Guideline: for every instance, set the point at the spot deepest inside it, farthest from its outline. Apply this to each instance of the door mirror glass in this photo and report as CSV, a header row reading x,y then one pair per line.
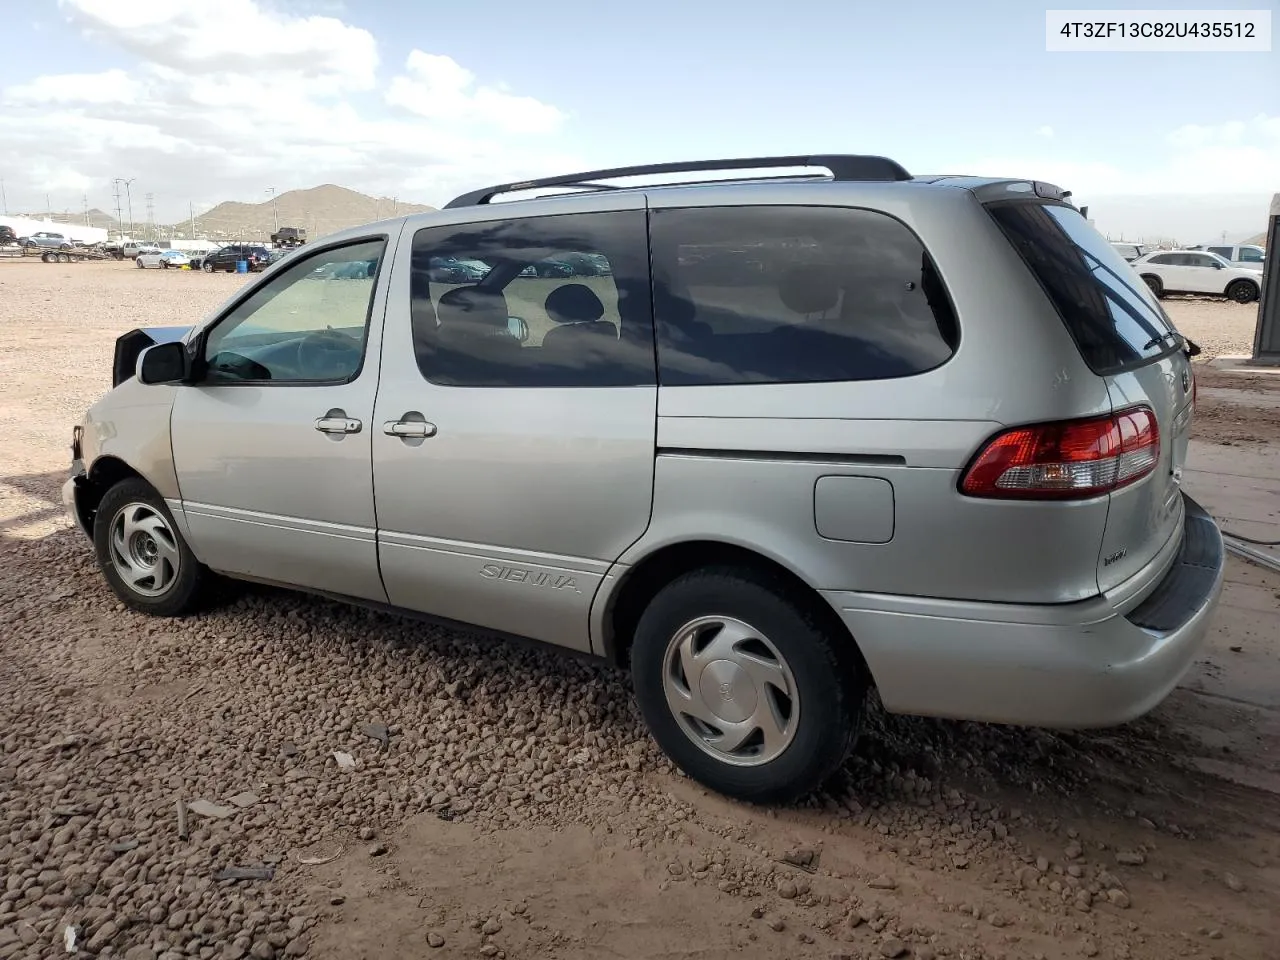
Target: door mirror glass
x,y
519,328
163,363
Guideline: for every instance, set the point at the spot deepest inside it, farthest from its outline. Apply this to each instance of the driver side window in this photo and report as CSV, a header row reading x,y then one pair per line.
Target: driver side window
x,y
307,324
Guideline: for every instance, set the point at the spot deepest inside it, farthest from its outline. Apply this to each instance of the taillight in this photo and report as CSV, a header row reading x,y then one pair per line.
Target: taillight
x,y
1067,460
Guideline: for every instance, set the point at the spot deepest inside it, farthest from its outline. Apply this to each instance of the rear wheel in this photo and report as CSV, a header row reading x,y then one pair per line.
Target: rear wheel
x,y
1154,283
744,688
64,258
140,264
1242,291
47,257
141,553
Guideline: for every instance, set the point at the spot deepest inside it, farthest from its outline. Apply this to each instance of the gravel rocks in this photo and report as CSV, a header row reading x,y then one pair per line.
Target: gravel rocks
x,y
108,718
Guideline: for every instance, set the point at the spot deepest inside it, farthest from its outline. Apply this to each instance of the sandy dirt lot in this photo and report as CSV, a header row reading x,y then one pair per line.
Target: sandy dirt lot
x,y
505,801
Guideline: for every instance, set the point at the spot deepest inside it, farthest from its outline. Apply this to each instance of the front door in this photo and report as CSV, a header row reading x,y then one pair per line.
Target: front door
x,y
273,446
515,424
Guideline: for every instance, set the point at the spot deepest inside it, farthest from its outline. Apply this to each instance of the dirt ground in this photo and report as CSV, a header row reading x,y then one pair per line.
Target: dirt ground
x,y
495,799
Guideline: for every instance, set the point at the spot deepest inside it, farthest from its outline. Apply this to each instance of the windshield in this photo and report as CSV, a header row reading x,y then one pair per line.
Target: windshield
x,y
1115,320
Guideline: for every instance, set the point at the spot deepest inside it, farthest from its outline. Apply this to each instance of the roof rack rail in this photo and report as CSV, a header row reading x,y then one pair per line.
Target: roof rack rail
x,y
843,167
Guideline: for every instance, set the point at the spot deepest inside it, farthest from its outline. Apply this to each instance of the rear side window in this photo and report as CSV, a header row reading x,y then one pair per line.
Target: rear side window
x,y
1221,251
1114,320
778,294
556,301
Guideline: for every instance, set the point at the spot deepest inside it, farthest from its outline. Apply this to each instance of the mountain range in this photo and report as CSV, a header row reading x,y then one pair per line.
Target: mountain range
x,y
320,210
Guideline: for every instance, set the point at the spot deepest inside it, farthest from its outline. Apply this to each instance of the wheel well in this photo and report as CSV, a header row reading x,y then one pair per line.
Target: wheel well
x,y
642,583
105,474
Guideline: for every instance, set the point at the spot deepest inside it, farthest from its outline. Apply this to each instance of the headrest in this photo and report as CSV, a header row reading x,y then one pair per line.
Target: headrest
x,y
809,288
574,303
472,306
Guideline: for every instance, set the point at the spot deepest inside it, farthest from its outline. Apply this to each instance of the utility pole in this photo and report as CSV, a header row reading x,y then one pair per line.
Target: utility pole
x,y
191,212
115,191
5,198
48,206
86,209
275,210
129,199
151,218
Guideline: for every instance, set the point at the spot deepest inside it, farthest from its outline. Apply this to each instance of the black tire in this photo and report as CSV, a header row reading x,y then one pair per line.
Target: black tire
x,y
207,267
141,265
189,582
164,264
1242,291
1156,285
48,257
830,685
64,258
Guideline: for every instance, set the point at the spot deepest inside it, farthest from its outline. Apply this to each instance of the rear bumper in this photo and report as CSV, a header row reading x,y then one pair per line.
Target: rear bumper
x,y
1088,664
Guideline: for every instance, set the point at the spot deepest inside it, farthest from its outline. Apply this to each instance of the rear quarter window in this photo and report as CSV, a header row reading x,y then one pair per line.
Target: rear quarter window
x,y
779,294
1115,321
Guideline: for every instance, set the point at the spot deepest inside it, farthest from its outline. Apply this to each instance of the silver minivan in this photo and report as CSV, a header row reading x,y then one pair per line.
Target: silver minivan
x,y
791,437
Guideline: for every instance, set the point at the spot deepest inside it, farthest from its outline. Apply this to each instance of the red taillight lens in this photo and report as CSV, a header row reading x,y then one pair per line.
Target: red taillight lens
x,y
1070,460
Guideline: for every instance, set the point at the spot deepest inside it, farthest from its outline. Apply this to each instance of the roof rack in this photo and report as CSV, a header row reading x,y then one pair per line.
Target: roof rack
x,y
843,167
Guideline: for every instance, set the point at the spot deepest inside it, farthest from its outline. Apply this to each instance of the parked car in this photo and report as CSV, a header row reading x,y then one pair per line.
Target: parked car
x,y
225,258
44,238
162,259
763,497
1198,271
549,268
1248,255
7,235
1129,251
453,270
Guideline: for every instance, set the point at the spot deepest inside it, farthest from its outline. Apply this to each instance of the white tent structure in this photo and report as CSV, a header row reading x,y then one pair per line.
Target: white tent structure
x,y
25,226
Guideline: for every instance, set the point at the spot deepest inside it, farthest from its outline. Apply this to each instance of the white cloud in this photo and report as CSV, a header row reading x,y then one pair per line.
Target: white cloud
x,y
221,107
1045,131
231,36
1233,157
110,86
437,87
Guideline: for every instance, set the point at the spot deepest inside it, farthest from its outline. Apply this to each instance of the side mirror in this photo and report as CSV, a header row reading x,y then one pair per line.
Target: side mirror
x,y
163,363
519,328
1217,265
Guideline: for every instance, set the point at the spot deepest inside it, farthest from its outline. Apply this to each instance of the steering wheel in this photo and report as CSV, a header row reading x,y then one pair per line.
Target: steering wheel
x,y
324,350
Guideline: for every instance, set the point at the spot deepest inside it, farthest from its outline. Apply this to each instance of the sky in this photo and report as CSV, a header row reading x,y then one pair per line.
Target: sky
x,y
203,102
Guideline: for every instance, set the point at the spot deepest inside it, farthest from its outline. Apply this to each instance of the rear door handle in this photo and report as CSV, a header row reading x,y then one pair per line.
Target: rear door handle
x,y
338,425
409,428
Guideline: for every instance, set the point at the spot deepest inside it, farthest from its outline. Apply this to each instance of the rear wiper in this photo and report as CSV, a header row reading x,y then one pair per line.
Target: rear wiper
x,y
1159,339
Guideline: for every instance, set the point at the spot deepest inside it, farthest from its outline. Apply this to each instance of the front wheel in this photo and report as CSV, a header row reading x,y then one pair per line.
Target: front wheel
x,y
744,687
1242,291
208,267
1154,283
140,264
147,563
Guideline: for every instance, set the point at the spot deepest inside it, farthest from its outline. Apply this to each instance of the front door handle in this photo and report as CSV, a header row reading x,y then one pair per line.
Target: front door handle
x,y
409,428
340,425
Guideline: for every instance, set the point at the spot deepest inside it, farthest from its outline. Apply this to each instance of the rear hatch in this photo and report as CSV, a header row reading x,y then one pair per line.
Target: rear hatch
x,y
1125,337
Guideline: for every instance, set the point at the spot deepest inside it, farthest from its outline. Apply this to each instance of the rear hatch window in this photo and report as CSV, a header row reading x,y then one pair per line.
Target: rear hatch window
x,y
1114,319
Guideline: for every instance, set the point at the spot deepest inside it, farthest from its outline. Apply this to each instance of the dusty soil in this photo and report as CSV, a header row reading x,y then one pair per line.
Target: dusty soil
x,y
503,800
